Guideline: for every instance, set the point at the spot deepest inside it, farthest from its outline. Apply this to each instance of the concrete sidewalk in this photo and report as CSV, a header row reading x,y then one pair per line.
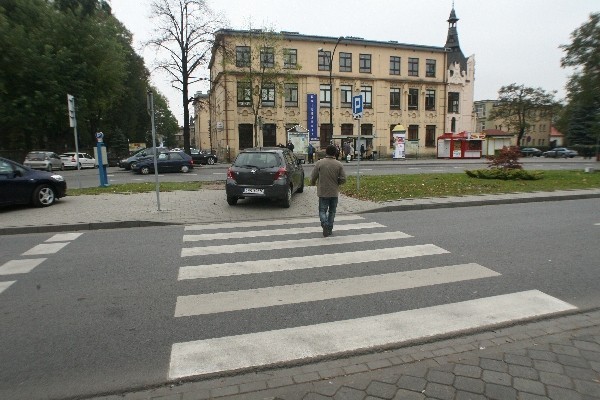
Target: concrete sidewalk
x,y
109,211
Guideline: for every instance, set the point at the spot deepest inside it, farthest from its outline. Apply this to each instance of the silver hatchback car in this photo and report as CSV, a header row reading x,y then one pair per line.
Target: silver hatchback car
x,y
45,160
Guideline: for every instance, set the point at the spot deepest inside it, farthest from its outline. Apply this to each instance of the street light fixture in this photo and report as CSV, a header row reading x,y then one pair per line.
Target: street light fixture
x,y
330,138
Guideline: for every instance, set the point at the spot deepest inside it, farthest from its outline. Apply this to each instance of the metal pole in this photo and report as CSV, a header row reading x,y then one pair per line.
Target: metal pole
x,y
359,157
151,112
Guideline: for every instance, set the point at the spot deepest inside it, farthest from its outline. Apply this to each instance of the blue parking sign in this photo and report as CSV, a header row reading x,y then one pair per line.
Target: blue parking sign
x,y
357,106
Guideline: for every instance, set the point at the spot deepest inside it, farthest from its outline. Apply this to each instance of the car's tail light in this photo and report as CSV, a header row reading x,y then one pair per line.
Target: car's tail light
x,y
230,174
280,174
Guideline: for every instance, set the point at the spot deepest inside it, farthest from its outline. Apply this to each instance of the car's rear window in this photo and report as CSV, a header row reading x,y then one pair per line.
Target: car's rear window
x,y
259,160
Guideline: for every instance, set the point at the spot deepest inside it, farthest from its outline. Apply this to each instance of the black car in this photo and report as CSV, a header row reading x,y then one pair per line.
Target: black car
x,y
265,172
530,151
22,185
203,157
139,155
173,161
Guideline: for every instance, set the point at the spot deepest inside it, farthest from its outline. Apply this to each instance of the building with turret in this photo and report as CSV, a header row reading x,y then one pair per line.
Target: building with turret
x,y
263,85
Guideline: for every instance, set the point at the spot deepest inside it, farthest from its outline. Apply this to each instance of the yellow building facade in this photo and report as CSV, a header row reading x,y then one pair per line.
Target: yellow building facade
x,y
309,81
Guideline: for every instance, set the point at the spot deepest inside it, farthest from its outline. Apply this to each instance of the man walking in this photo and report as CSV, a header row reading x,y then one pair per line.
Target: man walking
x,y
328,173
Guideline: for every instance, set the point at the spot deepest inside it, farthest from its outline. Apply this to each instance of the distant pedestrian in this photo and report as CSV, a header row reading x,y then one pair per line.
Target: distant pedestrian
x,y
290,145
337,151
346,149
362,151
311,153
328,173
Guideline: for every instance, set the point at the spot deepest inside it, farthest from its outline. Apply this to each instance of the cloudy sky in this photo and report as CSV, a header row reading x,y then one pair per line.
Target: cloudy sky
x,y
514,41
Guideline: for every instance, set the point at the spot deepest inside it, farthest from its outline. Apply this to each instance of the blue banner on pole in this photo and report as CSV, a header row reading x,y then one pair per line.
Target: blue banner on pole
x,y
311,117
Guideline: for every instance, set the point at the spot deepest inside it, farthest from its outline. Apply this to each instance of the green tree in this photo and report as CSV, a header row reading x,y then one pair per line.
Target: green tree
x,y
520,106
256,60
581,119
185,35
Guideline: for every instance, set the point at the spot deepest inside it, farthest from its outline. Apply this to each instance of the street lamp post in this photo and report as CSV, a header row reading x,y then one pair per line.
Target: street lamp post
x,y
330,138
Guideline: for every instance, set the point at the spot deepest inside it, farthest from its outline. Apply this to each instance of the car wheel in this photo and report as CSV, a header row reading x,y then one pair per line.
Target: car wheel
x,y
210,161
43,196
185,169
301,188
232,200
145,170
287,202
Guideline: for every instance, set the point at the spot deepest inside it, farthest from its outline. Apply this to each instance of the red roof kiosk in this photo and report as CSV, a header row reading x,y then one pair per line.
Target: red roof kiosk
x,y
460,145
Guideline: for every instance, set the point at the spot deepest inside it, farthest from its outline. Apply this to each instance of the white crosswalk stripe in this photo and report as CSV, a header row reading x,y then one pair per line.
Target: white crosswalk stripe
x,y
334,289
316,261
302,343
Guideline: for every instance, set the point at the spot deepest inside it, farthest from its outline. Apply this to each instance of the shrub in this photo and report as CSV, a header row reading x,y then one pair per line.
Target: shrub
x,y
505,174
507,159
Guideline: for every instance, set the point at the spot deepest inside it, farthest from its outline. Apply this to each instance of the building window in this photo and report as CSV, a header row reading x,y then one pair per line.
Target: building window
x,y
430,68
395,98
291,94
324,60
430,100
347,129
325,132
267,57
268,95
245,136
244,94
325,96
413,99
346,96
366,130
395,65
453,101
290,58
367,95
242,56
413,132
430,136
413,67
345,62
364,63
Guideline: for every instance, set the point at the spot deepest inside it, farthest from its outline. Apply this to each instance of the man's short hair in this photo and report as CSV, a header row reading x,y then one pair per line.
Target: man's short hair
x,y
330,150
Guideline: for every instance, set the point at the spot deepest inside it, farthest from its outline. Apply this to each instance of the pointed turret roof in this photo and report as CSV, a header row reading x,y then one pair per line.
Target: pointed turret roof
x,y
452,45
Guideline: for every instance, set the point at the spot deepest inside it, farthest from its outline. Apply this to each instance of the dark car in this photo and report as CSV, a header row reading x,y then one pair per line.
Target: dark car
x,y
267,172
139,155
173,161
560,152
22,185
203,157
530,152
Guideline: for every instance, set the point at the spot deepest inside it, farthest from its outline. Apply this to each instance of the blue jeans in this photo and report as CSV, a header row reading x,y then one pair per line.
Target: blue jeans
x,y
327,204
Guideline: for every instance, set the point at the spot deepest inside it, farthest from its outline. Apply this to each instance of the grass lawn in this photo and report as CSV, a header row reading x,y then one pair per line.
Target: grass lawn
x,y
394,187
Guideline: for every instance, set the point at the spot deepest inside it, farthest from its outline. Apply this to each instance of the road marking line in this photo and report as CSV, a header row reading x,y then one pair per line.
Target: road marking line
x,y
64,237
306,262
305,342
213,303
277,222
276,232
290,244
12,267
5,285
45,249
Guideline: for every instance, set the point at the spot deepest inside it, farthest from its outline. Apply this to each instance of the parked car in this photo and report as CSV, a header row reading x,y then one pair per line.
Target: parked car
x,y
45,160
266,172
22,185
560,152
203,157
69,160
530,152
173,161
140,155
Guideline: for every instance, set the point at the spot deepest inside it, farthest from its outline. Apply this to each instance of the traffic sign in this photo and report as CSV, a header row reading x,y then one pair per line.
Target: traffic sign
x,y
357,106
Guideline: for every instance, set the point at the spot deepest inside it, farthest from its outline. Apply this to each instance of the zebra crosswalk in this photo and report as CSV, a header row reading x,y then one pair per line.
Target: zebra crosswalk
x,y
252,249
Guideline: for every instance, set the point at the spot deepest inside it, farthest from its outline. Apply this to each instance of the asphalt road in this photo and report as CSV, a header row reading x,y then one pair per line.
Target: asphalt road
x,y
100,314
90,178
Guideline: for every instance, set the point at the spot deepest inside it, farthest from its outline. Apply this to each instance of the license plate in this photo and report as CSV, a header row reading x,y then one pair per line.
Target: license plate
x,y
254,191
